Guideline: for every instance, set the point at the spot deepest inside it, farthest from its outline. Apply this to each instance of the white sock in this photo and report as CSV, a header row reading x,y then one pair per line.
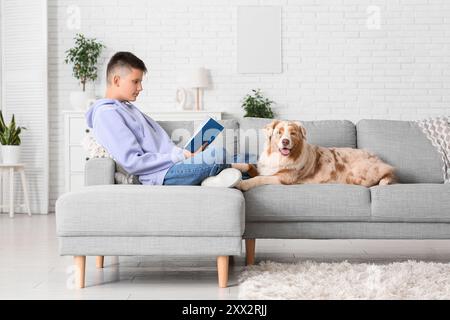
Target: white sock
x,y
227,178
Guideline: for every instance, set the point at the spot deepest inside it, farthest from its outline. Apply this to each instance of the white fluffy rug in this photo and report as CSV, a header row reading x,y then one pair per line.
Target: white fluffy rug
x,y
344,280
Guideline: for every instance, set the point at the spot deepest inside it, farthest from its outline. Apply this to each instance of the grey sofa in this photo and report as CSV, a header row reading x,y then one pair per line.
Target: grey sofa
x,y
106,219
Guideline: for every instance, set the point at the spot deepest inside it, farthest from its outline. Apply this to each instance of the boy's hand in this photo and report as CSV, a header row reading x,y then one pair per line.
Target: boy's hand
x,y
203,147
188,154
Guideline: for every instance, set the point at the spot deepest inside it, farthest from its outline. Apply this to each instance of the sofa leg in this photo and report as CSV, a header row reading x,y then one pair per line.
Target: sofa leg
x,y
80,263
99,262
250,251
222,270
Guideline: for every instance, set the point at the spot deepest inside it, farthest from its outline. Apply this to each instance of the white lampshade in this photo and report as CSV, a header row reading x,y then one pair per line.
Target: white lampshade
x,y
199,78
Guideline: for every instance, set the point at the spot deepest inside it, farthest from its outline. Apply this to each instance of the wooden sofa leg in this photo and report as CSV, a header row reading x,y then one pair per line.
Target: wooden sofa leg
x,y
222,270
99,262
250,251
80,263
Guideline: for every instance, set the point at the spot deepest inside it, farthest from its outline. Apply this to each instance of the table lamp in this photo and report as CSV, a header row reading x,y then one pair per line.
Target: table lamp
x,y
199,80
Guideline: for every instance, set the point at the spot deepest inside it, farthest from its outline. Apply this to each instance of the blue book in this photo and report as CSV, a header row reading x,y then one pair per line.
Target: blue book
x,y
206,133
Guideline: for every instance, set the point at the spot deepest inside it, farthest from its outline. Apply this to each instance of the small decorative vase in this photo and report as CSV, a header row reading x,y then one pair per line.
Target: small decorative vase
x,y
80,100
10,154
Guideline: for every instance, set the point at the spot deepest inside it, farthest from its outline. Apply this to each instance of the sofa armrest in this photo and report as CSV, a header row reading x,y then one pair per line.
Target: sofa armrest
x,y
99,171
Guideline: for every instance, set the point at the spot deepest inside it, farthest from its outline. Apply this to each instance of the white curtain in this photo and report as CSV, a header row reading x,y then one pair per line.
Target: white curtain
x,y
24,90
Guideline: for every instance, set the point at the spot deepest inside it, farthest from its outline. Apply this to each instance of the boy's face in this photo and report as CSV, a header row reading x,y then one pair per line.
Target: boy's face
x,y
128,84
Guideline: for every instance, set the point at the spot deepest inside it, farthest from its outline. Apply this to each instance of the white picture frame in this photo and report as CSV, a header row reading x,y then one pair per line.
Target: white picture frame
x,y
259,39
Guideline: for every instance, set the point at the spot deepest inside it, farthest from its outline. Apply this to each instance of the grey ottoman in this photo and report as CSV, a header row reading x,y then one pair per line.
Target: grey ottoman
x,y
150,220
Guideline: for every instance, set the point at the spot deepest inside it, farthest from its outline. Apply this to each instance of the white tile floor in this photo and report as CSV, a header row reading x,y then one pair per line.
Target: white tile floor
x,y
30,267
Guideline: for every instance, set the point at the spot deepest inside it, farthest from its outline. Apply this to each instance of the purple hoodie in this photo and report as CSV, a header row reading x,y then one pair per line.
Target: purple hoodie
x,y
134,140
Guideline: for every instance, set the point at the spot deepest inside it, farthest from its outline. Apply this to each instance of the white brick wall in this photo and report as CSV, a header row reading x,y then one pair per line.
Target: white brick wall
x,y
334,65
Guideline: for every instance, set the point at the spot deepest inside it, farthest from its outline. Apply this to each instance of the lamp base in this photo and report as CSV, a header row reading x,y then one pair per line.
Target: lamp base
x,y
197,100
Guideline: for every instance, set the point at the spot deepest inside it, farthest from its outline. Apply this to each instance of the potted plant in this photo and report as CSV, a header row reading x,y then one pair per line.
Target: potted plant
x,y
83,57
10,140
256,105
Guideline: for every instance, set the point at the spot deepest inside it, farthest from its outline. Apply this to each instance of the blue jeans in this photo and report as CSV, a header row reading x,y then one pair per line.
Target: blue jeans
x,y
205,164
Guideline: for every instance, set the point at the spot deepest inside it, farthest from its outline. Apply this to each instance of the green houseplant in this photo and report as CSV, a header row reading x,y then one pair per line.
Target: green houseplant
x,y
10,140
83,57
256,105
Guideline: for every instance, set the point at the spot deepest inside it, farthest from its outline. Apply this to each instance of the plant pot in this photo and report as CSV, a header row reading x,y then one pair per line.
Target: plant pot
x,y
10,154
81,100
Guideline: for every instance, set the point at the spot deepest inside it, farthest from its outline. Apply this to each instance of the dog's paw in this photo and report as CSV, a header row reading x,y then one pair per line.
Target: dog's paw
x,y
244,185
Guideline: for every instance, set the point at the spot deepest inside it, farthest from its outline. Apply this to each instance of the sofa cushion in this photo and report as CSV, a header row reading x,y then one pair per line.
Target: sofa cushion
x,y
130,210
403,145
411,203
307,202
326,133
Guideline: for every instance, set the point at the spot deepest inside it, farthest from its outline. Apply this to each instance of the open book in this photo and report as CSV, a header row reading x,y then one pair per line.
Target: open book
x,y
205,134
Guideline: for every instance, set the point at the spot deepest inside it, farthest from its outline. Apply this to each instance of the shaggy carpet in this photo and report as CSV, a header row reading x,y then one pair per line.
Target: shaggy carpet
x,y
344,280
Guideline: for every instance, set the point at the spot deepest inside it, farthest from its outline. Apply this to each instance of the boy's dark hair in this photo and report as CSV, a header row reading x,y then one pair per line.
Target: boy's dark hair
x,y
124,59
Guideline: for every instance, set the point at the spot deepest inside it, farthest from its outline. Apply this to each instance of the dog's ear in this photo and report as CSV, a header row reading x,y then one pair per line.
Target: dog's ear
x,y
302,128
269,128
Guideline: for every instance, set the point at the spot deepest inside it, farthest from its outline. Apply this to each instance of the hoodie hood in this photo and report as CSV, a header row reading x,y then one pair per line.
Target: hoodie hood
x,y
90,114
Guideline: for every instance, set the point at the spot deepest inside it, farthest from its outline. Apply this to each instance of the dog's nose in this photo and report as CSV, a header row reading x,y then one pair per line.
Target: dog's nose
x,y
285,142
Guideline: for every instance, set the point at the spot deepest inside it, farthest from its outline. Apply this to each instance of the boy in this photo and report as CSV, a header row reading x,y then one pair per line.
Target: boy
x,y
140,145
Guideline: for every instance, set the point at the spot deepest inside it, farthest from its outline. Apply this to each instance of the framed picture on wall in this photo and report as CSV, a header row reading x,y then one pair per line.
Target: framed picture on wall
x,y
259,39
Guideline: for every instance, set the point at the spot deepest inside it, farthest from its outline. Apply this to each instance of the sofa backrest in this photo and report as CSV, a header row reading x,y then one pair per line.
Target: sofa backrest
x,y
173,129
228,138
403,145
181,131
327,133
247,134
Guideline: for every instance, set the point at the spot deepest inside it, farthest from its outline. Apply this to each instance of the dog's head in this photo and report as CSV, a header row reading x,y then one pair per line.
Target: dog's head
x,y
285,137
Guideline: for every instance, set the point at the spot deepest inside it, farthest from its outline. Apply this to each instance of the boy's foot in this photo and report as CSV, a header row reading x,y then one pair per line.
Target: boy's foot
x,y
227,178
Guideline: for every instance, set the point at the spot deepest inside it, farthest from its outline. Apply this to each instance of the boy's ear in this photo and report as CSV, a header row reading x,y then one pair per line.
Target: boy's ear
x,y
116,80
268,129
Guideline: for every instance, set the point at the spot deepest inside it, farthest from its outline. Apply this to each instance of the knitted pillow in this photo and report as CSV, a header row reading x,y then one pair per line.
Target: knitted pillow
x,y
93,149
123,177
